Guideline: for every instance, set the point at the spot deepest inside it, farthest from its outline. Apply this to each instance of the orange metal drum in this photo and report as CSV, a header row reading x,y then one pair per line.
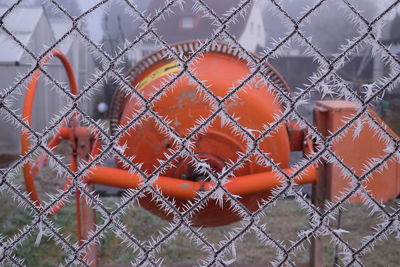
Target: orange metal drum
x,y
183,104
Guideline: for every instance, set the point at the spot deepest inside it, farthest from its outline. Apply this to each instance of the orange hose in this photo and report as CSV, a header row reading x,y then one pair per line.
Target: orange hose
x,y
184,189
27,116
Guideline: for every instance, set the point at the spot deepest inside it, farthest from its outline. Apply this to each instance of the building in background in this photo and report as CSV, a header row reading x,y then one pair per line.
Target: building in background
x,y
184,24
36,30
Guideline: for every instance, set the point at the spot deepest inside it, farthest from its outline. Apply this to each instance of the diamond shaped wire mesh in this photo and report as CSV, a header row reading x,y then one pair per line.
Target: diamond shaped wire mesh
x,y
325,81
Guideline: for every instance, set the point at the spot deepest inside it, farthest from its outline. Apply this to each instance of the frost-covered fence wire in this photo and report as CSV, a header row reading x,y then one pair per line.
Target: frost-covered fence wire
x,y
325,81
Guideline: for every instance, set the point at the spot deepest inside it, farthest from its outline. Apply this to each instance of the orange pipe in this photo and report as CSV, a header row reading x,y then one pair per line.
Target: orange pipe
x,y
260,182
183,189
27,116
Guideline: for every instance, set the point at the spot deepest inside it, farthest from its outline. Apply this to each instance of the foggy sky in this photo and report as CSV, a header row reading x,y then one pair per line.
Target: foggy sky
x,y
329,29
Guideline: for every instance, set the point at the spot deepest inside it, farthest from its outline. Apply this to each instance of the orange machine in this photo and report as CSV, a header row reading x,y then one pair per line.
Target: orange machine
x,y
166,134
184,105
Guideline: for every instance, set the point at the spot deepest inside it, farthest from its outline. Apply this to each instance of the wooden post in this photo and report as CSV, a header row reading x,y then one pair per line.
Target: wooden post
x,y
318,200
319,190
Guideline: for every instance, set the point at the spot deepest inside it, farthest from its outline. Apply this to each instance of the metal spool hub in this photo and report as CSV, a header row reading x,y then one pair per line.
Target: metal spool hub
x,y
220,69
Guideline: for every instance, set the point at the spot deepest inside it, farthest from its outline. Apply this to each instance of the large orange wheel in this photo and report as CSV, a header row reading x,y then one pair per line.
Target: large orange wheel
x,y
28,171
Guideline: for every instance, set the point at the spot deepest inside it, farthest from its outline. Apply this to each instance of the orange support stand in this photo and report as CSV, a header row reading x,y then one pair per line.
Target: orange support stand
x,y
62,134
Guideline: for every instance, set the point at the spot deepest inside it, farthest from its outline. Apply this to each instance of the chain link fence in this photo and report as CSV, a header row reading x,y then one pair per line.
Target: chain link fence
x,y
325,81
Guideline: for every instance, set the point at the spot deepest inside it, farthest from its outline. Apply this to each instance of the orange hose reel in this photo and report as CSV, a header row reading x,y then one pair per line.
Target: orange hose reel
x,y
220,69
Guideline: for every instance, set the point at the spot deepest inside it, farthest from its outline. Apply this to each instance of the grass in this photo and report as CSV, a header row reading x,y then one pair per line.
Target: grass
x,y
283,222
